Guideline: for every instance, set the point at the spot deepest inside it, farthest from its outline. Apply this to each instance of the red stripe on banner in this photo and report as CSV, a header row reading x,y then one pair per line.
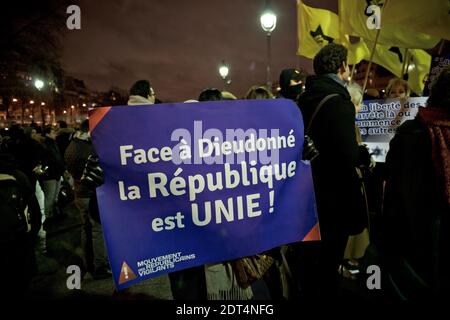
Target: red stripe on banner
x,y
96,115
313,234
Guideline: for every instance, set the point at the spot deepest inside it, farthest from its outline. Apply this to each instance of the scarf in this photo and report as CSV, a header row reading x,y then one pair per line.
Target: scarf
x,y
438,125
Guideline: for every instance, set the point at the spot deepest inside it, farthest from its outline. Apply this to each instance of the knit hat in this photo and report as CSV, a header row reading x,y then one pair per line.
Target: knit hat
x,y
287,75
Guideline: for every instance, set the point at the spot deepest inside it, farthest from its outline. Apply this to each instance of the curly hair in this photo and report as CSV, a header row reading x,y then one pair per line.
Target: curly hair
x,y
440,90
329,59
140,88
394,82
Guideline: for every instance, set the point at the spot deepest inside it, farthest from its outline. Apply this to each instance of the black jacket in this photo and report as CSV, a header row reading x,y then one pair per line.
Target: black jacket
x,y
413,207
53,160
76,156
336,183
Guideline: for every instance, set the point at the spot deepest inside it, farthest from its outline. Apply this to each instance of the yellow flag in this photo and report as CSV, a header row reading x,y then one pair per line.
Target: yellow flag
x,y
317,28
427,16
418,69
356,51
355,22
392,59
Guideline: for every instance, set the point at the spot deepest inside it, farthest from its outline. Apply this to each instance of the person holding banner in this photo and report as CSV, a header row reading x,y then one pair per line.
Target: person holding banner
x,y
258,92
191,284
210,94
141,93
94,252
416,219
327,103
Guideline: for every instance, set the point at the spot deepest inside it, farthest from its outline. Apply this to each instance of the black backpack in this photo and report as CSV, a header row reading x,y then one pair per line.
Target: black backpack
x,y
13,210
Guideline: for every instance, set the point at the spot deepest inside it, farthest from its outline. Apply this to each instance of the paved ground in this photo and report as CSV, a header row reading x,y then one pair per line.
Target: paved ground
x,y
63,243
64,250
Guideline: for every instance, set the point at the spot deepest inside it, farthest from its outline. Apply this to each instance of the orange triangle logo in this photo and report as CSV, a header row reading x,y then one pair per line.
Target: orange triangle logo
x,y
126,274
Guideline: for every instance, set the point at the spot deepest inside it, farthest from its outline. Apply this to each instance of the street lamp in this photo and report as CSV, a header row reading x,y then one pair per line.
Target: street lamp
x,y
39,84
72,107
223,71
268,21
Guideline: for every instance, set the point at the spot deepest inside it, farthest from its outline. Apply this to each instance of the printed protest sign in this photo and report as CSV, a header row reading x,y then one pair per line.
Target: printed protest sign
x,y
379,119
197,183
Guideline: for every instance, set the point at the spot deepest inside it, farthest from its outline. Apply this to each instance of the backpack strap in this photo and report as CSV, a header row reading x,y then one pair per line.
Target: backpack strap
x,y
319,106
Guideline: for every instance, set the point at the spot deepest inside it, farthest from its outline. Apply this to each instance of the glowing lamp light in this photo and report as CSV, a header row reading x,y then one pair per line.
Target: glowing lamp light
x,y
223,71
268,21
39,84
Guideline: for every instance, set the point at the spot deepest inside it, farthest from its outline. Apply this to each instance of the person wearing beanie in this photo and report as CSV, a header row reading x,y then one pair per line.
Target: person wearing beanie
x,y
291,81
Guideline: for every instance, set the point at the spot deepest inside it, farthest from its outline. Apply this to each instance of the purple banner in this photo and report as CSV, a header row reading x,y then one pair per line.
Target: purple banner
x,y
190,184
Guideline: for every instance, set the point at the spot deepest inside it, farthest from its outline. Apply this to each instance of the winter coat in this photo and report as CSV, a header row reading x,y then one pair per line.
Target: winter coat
x,y
53,160
413,208
336,184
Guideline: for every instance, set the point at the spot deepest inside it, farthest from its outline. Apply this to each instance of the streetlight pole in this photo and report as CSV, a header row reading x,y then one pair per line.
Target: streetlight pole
x,y
268,23
32,109
39,84
269,81
72,107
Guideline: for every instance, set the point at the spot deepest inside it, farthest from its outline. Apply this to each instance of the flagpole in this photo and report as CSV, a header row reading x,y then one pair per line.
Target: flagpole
x,y
405,58
441,46
407,67
370,60
299,2
373,51
353,71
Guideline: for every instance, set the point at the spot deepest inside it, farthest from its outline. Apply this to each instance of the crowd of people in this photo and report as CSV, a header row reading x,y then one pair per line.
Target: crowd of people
x,y
412,214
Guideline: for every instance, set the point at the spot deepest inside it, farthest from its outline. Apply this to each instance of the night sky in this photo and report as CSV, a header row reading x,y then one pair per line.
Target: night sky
x,y
178,45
